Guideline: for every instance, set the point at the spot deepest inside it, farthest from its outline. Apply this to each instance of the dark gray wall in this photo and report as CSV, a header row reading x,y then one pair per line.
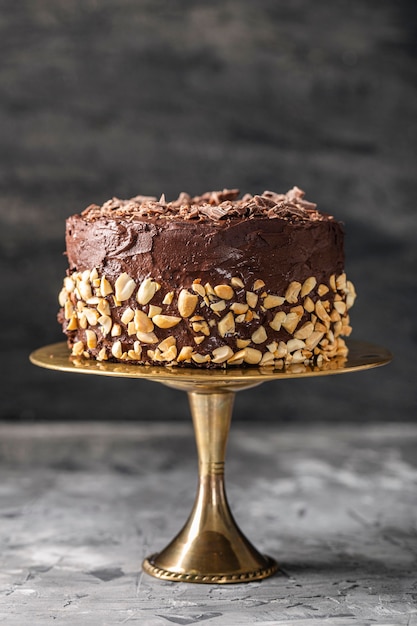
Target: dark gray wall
x,y
119,97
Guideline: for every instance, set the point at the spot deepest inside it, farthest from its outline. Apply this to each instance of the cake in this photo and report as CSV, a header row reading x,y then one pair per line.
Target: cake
x,y
216,280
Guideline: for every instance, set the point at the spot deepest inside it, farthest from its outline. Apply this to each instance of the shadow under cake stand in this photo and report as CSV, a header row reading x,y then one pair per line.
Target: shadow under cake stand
x,y
210,548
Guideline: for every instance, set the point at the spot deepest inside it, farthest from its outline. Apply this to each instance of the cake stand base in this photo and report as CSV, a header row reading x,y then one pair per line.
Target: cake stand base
x,y
210,548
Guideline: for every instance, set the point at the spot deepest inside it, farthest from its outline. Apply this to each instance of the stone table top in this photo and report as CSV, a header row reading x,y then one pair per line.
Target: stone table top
x,y
83,504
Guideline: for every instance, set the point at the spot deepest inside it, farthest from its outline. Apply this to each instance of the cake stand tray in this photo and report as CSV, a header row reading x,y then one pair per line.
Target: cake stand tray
x,y
210,548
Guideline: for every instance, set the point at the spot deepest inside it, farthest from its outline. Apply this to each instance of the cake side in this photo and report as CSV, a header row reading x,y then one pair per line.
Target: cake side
x,y
258,281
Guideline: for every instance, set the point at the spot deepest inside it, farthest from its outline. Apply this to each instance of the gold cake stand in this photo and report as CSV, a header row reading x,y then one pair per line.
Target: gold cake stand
x,y
210,548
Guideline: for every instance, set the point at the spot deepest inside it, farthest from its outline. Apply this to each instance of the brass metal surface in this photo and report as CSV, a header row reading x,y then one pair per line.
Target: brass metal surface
x,y
210,548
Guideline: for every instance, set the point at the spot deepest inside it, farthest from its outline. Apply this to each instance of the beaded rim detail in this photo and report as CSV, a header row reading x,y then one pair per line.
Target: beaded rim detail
x,y
163,574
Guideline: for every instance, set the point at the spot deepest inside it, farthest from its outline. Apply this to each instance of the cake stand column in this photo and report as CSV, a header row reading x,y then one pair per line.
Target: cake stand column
x,y
210,548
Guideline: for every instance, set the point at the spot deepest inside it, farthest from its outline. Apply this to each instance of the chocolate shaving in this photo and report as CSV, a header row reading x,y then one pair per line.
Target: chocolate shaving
x,y
212,205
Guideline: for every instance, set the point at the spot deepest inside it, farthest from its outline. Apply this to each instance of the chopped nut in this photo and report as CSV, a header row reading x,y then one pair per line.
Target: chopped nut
x,y
271,301
225,292
297,357
154,310
199,358
62,297
209,290
116,331
93,274
239,307
68,310
166,321
258,284
168,298
332,282
198,289
237,358
226,326
312,341
105,287
82,321
351,294
249,316
242,343
77,348
105,323
290,323
137,348
147,290
298,310
295,344
201,327
127,315
267,359
103,307
322,289
167,343
218,306
199,339
321,312
91,338
305,331
309,305
259,336
320,327
102,355
69,284
124,287
281,351
221,354
73,323
170,354
346,330
116,349
279,318
237,282
272,346
240,318
251,299
131,329
196,318
340,307
341,282
293,289
92,316
337,328
185,353
335,316
308,286
187,303
147,337
84,290
143,323
252,356
94,300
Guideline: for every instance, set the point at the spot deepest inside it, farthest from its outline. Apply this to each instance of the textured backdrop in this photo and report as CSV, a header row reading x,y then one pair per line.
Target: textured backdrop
x,y
119,97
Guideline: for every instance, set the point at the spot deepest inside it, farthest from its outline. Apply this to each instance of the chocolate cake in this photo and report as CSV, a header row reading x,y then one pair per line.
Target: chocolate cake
x,y
216,280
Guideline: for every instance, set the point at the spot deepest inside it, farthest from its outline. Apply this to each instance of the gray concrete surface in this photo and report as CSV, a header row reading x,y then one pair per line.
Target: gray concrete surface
x,y
82,506
120,97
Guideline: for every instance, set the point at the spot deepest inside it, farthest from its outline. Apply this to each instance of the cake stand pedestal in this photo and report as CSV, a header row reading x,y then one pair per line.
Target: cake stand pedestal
x,y
210,548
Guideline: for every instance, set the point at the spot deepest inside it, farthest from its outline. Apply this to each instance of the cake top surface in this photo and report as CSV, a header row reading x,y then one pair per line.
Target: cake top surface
x,y
212,205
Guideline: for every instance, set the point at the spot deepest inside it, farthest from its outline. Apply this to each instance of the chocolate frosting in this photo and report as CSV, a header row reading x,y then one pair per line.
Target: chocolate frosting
x,y
275,237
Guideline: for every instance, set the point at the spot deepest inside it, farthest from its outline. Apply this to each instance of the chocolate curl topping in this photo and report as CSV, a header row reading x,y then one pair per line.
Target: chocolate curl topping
x,y
213,205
